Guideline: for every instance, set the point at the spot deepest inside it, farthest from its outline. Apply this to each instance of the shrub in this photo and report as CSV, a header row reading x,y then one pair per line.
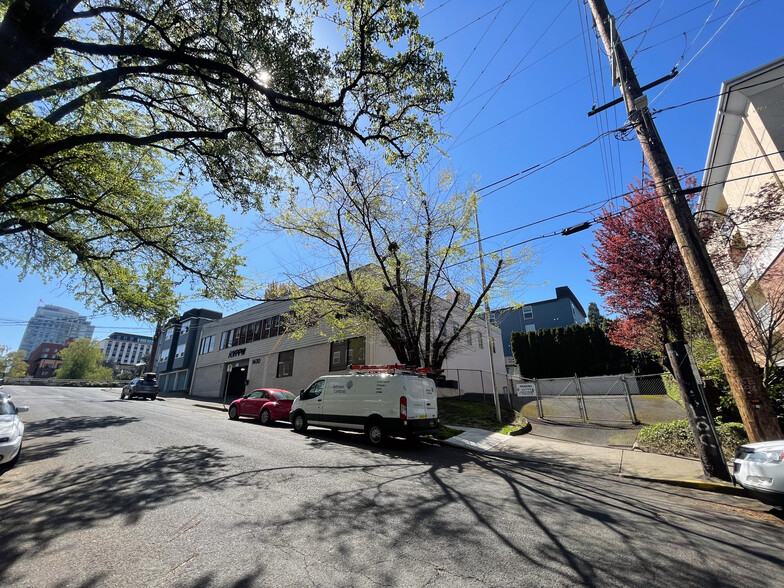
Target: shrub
x,y
675,438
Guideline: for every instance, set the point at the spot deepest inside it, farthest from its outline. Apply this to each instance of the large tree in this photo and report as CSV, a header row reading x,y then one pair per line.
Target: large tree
x,y
12,363
389,257
639,271
83,359
105,104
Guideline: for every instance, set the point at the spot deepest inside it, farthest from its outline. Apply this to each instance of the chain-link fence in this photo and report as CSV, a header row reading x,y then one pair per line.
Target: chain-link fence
x,y
623,399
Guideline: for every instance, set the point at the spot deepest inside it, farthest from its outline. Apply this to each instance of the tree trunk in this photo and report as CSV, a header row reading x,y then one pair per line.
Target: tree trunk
x,y
26,33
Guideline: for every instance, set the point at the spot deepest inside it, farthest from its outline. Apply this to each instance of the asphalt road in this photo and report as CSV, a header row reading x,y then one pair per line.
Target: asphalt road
x,y
114,492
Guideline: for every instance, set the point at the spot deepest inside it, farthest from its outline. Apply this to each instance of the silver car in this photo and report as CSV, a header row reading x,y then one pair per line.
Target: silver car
x,y
759,468
11,432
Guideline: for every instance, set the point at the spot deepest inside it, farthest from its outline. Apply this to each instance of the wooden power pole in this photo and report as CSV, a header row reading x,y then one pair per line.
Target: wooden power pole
x,y
742,373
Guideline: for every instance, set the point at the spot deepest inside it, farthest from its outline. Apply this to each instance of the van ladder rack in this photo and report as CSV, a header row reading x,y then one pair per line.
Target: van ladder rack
x,y
395,369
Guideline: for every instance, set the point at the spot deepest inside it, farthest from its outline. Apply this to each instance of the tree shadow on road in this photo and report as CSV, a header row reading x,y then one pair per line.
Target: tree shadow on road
x,y
70,501
570,525
562,527
59,426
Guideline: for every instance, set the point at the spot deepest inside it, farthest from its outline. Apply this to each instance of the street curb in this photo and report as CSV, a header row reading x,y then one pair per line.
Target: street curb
x,y
695,484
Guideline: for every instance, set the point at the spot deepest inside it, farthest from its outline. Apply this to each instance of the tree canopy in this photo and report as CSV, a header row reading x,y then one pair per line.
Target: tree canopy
x,y
111,111
12,363
639,271
83,359
389,257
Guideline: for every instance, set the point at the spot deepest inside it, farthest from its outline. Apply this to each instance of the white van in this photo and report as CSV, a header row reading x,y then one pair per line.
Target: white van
x,y
380,404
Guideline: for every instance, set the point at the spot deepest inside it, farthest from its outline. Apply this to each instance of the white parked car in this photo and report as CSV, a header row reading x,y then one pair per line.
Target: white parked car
x,y
759,468
11,432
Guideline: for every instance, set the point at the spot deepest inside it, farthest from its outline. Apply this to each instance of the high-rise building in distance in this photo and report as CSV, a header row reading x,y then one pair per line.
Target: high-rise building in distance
x,y
54,324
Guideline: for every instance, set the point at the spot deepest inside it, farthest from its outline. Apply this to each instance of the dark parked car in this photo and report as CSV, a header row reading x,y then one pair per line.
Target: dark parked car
x,y
145,386
266,404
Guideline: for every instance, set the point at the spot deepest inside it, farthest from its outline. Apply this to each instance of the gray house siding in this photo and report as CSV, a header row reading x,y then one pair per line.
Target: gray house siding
x,y
562,311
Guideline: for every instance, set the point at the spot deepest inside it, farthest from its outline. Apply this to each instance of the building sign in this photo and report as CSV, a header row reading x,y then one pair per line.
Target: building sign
x,y
237,353
255,361
525,389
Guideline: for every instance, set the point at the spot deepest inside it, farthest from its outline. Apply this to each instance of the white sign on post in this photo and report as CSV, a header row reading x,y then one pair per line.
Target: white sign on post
x,y
525,389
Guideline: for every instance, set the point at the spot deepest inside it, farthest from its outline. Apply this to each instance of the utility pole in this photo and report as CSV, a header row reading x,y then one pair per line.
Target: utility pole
x,y
742,374
487,317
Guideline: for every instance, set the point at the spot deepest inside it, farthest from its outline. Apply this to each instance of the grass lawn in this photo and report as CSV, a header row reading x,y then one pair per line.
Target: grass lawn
x,y
476,415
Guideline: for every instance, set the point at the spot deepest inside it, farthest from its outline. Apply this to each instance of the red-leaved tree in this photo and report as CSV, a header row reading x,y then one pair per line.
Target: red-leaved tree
x,y
639,271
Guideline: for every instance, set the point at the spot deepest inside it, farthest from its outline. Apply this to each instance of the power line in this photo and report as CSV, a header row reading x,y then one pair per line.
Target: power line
x,y
608,200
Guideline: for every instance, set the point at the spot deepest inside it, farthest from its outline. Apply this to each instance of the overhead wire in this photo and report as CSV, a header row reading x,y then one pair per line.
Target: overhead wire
x,y
587,208
600,219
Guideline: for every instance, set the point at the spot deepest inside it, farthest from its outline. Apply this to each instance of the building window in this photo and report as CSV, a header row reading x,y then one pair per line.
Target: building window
x,y
207,345
164,355
180,351
470,336
528,312
285,363
185,327
530,328
481,342
169,334
348,352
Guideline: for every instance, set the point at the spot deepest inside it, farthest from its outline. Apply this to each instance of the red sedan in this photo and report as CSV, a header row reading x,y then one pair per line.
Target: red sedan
x,y
266,404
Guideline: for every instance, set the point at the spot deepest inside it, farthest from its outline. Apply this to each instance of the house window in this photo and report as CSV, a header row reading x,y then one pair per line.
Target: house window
x,y
528,312
470,336
180,351
285,363
185,327
481,342
164,355
348,352
169,334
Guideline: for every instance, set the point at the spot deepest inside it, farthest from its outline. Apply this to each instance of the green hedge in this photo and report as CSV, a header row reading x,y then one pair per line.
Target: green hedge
x,y
584,350
675,438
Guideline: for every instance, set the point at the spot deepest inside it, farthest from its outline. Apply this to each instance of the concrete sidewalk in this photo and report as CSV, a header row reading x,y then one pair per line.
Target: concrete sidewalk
x,y
679,471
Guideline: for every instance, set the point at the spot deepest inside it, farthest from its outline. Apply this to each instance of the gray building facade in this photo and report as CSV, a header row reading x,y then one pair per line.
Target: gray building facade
x,y
178,347
561,311
54,324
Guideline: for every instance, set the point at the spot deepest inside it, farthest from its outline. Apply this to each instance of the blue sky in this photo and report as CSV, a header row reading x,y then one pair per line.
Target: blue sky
x,y
527,73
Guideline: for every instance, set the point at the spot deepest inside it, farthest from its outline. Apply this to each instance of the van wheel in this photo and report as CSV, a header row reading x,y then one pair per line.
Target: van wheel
x,y
300,423
375,433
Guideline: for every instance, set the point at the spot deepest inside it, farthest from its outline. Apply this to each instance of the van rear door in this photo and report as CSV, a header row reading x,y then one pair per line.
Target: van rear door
x,y
421,396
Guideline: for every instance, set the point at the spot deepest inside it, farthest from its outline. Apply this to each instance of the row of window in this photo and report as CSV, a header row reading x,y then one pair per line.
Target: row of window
x,y
341,355
185,327
180,352
263,329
